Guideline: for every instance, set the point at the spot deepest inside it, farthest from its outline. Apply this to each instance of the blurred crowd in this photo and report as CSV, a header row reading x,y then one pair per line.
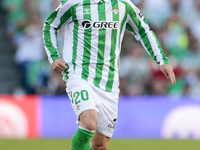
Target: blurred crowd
x,y
175,22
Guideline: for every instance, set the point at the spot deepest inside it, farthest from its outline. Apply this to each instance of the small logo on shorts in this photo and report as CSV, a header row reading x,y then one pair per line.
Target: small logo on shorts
x,y
113,124
78,107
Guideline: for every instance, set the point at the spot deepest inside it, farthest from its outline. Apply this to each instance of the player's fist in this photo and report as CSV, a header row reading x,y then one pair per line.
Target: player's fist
x,y
168,72
59,65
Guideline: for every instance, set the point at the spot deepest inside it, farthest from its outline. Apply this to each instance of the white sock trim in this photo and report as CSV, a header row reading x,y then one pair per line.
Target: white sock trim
x,y
86,129
91,146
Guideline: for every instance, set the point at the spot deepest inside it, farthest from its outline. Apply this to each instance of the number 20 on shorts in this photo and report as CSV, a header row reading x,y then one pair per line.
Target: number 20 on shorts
x,y
78,96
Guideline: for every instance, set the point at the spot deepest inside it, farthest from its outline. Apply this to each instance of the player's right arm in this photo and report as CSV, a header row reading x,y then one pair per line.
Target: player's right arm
x,y
54,22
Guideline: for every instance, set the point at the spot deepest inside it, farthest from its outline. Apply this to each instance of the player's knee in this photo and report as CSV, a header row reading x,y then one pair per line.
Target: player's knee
x,y
100,146
91,125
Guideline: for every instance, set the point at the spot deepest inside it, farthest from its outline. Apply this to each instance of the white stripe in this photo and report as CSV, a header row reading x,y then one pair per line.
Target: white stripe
x,y
94,43
106,65
47,50
68,42
68,46
54,44
56,23
117,49
144,46
154,46
130,21
48,54
62,11
54,39
162,62
80,46
91,146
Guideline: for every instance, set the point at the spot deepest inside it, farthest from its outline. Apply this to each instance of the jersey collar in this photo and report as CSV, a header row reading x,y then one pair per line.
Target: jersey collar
x,y
97,1
107,1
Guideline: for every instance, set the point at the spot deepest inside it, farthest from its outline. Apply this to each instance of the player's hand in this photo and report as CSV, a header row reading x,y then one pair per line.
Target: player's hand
x,y
59,65
168,72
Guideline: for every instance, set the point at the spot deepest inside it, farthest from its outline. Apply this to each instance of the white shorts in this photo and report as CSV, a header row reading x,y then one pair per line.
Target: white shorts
x,y
85,96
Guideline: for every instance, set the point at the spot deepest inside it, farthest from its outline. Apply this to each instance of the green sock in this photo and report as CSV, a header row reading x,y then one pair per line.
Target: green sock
x,y
82,139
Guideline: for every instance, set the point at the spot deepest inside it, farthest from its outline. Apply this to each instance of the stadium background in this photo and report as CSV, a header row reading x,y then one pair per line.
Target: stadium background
x,y
33,101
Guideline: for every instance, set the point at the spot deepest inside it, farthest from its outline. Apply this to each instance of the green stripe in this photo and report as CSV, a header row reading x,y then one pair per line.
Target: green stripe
x,y
121,28
66,16
148,46
141,30
101,45
47,36
110,81
63,1
128,27
75,39
87,43
134,18
144,36
66,72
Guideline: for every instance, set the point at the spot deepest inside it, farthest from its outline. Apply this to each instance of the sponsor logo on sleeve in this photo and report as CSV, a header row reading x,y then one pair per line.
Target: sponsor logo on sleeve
x,y
140,14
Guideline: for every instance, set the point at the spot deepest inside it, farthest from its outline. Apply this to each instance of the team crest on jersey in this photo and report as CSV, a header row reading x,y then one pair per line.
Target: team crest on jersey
x,y
115,10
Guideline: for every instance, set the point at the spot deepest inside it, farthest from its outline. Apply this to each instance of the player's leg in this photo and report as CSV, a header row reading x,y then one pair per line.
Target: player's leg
x,y
99,142
82,99
107,117
88,122
88,119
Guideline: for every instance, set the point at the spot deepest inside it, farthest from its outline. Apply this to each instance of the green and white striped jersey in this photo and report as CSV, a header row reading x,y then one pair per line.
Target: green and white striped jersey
x,y
94,30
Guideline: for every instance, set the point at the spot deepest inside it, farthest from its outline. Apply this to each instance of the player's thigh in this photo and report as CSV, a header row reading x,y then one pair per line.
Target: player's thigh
x,y
88,119
99,141
81,95
108,112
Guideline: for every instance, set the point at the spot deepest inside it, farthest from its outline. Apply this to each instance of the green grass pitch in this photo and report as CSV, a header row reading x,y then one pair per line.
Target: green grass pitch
x,y
114,144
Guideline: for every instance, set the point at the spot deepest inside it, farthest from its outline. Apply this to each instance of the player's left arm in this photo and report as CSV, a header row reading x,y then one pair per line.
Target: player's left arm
x,y
137,24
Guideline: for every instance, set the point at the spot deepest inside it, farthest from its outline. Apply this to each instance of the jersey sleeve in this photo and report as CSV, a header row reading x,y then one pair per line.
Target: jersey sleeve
x,y
54,22
137,24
